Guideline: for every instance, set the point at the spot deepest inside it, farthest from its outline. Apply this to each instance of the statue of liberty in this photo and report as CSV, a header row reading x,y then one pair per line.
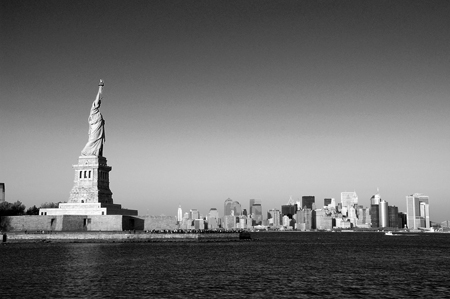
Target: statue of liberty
x,y
94,146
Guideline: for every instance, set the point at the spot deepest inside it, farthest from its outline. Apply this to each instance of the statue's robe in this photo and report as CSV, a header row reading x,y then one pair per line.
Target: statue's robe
x,y
94,146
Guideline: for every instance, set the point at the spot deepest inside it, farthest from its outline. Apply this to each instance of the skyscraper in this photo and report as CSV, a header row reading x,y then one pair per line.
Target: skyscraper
x,y
256,214
417,211
289,209
376,198
227,207
252,202
349,199
274,217
393,216
303,219
236,207
2,192
375,215
383,215
194,214
307,202
213,213
179,214
321,220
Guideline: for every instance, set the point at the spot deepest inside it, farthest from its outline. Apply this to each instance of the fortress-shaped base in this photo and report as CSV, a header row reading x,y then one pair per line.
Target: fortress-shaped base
x,y
90,194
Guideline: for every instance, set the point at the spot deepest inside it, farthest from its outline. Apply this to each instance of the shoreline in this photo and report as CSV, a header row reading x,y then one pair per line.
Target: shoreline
x,y
112,237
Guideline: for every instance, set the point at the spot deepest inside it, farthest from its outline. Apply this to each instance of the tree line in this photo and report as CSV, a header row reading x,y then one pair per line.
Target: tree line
x,y
18,208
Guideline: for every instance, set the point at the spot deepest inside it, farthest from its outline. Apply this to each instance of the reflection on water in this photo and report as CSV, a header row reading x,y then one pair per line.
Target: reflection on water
x,y
275,265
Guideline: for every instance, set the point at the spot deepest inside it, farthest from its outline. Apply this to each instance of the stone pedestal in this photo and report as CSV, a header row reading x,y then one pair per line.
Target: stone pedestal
x,y
90,194
91,181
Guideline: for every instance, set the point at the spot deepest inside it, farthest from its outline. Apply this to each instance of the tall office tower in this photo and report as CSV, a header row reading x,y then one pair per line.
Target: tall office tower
x,y
229,222
383,214
242,222
321,220
213,213
366,216
344,211
199,224
2,192
179,214
376,198
236,207
307,202
359,212
274,217
244,212
304,219
375,216
213,223
253,202
300,219
417,211
289,209
349,199
326,202
194,214
351,215
227,207
256,214
308,219
363,217
402,220
393,216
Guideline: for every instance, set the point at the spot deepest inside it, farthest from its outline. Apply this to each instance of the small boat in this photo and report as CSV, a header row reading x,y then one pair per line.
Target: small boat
x,y
389,233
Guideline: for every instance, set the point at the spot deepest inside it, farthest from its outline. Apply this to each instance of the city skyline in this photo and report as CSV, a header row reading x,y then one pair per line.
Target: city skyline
x,y
205,101
306,203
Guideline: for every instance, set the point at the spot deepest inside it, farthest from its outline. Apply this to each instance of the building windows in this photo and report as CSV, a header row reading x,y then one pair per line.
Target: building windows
x,y
85,174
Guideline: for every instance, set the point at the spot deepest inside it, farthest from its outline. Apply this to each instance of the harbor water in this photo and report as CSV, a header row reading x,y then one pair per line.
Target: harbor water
x,y
272,265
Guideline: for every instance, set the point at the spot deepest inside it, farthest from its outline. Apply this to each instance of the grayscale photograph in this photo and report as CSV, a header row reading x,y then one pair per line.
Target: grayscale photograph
x,y
224,148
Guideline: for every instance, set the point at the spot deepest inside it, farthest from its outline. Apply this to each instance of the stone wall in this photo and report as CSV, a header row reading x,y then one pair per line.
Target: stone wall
x,y
118,237
29,223
89,223
115,223
73,223
159,222
105,223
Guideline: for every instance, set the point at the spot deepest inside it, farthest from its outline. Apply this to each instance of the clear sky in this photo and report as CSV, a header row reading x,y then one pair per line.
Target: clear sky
x,y
206,100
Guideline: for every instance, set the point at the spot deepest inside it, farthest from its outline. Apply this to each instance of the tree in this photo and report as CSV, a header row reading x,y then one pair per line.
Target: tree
x,y
32,211
50,205
11,209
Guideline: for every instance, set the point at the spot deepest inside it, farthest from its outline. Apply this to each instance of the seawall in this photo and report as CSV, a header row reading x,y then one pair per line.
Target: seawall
x,y
98,237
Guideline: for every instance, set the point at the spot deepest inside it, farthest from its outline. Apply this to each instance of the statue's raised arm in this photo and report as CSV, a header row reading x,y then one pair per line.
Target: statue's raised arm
x,y
99,97
94,146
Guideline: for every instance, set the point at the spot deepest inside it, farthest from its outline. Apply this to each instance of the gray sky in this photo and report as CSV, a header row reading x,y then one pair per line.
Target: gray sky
x,y
206,100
